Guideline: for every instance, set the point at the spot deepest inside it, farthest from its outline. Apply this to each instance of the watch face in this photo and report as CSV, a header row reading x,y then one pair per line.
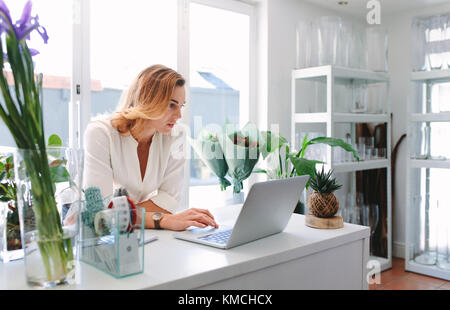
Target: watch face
x,y
157,216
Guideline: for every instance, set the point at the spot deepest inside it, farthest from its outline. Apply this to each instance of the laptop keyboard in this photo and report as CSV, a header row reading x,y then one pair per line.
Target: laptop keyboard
x,y
219,237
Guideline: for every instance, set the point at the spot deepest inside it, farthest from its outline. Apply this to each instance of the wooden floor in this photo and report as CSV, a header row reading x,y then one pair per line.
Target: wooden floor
x,y
399,279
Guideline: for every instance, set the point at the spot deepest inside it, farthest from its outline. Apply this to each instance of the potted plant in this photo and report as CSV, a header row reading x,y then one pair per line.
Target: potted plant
x,y
322,202
282,163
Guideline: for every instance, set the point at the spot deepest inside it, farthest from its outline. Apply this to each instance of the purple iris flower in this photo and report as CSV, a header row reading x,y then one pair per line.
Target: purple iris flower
x,y
24,26
5,17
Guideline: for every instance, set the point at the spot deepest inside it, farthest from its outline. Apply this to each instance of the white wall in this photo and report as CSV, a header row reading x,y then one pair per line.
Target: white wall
x,y
399,53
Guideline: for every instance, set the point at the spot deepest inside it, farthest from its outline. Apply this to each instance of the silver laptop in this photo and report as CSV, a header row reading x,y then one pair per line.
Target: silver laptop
x,y
266,211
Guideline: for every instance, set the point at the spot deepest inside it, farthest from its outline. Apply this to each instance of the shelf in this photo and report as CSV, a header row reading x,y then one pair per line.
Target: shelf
x,y
340,72
360,118
341,118
430,163
359,166
430,270
431,117
333,76
435,75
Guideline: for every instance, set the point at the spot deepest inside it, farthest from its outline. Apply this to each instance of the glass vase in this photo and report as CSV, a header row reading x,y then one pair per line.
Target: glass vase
x,y
48,196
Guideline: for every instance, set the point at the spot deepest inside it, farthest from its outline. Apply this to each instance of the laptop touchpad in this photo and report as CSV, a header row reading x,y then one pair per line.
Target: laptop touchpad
x,y
199,231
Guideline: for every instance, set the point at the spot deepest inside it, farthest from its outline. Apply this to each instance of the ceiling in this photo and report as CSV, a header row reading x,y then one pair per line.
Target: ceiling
x,y
358,7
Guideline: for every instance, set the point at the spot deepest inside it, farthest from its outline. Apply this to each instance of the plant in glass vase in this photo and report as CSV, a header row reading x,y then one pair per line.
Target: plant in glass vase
x,y
21,111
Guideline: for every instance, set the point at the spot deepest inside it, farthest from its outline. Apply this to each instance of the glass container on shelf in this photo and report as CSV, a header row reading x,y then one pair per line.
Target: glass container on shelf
x,y
358,48
426,140
377,48
434,42
419,61
444,97
304,28
443,235
424,238
359,102
345,44
329,30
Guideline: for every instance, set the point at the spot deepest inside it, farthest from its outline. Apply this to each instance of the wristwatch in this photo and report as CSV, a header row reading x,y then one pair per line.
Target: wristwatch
x,y
157,216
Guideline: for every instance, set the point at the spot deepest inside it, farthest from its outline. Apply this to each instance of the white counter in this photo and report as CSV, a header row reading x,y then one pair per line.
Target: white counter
x,y
298,258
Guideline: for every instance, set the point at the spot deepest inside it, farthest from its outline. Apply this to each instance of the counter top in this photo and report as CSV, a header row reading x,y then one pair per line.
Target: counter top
x,y
176,264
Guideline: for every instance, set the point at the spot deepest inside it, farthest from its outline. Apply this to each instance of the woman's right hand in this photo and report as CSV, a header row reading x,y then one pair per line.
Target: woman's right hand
x,y
191,217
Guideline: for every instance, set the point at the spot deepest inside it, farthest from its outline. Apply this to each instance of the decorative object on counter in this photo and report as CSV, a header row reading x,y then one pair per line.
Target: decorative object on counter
x,y
322,201
94,204
323,204
231,152
241,152
50,256
207,146
121,192
116,245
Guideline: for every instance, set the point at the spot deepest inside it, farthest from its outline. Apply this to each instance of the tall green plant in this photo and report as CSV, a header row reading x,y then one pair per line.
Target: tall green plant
x,y
21,111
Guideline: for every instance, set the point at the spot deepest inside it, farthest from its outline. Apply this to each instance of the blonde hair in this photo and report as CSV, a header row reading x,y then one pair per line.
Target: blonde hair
x,y
148,98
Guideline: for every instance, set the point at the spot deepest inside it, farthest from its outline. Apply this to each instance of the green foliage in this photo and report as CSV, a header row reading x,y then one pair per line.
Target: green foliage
x,y
285,159
323,183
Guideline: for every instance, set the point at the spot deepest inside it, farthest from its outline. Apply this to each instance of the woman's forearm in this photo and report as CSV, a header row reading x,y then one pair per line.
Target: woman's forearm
x,y
150,208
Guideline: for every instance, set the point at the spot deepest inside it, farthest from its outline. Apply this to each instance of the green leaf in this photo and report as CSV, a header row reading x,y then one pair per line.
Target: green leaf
x,y
54,140
304,166
270,142
333,142
259,171
58,172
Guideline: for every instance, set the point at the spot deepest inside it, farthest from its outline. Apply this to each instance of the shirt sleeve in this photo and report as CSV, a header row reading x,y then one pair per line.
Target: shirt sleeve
x,y
169,192
97,159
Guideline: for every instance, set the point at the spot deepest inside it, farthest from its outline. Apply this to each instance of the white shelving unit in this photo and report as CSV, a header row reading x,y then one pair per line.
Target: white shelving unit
x,y
428,78
331,117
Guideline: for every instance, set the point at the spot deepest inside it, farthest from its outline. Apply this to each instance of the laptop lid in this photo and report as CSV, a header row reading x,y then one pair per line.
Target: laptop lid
x,y
267,209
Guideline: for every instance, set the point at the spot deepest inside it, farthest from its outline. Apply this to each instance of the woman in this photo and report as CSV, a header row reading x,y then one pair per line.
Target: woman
x,y
138,148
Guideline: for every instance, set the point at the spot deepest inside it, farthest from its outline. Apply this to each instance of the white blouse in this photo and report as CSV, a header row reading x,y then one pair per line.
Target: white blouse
x,y
111,161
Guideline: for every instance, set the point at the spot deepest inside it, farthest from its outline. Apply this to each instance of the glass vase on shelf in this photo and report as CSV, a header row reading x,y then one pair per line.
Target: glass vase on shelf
x,y
377,48
425,238
304,33
419,61
329,30
434,42
359,102
443,236
44,182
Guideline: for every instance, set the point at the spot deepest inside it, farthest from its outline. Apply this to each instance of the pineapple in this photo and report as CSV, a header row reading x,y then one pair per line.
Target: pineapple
x,y
322,202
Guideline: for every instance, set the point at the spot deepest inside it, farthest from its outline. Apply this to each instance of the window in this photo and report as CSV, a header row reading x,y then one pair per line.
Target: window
x,y
219,84
125,39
